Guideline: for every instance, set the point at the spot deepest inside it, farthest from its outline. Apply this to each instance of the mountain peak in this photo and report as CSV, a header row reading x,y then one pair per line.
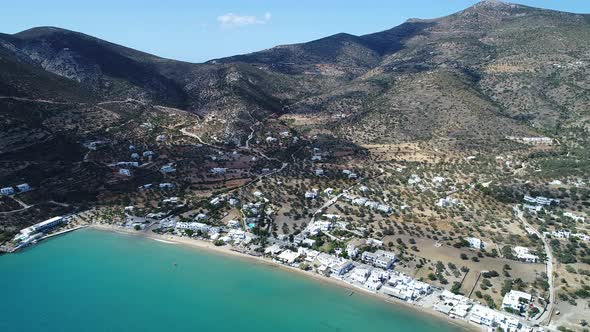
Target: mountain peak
x,y
41,31
493,5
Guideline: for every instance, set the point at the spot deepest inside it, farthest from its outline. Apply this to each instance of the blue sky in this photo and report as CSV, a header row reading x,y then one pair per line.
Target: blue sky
x,y
196,30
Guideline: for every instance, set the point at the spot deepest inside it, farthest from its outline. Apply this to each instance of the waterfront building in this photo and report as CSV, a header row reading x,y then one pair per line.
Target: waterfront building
x,y
482,315
194,226
288,256
273,250
40,227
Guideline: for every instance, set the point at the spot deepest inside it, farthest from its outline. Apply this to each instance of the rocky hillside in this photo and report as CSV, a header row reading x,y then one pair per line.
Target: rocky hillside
x,y
492,70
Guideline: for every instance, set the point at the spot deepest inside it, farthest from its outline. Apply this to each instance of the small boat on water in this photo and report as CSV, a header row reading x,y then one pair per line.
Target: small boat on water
x,y
351,293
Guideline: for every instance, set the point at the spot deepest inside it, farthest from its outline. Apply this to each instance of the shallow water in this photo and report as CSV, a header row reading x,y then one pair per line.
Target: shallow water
x,y
91,280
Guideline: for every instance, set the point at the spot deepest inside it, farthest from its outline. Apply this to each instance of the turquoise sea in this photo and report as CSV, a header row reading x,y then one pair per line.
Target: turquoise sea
x,y
99,281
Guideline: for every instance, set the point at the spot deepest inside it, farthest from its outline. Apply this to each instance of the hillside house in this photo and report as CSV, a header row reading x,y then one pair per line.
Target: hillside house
x,y
23,187
7,191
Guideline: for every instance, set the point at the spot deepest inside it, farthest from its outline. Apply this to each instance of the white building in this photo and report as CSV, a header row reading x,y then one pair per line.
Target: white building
x,y
42,226
7,191
516,300
167,169
414,179
475,243
540,200
561,234
201,216
233,224
341,266
171,200
381,258
524,255
351,250
288,256
125,171
273,250
482,315
308,242
218,170
371,204
331,216
574,217
194,226
532,208
23,187
126,164
384,208
374,242
216,201
581,236
359,201
311,194
438,179
447,202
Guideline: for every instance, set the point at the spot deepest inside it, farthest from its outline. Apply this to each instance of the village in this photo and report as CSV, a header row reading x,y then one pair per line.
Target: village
x,y
436,235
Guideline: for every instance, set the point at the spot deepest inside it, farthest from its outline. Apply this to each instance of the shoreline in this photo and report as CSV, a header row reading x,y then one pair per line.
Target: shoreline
x,y
208,246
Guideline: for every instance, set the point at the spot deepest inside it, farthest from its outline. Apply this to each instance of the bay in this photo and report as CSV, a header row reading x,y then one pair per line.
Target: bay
x,y
92,280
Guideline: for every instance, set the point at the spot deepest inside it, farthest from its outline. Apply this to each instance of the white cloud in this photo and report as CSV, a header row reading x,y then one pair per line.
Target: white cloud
x,y
231,20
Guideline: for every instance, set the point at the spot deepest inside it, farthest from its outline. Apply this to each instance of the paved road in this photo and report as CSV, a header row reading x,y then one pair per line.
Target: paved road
x,y
545,316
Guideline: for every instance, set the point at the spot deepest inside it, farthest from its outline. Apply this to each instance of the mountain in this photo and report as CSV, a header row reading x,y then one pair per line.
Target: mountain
x,y
106,69
504,64
464,81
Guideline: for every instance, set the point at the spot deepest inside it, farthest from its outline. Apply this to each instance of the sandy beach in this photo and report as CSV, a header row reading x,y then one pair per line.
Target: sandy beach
x,y
226,250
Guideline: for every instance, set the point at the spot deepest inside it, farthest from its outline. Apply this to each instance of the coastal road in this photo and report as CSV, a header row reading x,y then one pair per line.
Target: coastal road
x,y
545,316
